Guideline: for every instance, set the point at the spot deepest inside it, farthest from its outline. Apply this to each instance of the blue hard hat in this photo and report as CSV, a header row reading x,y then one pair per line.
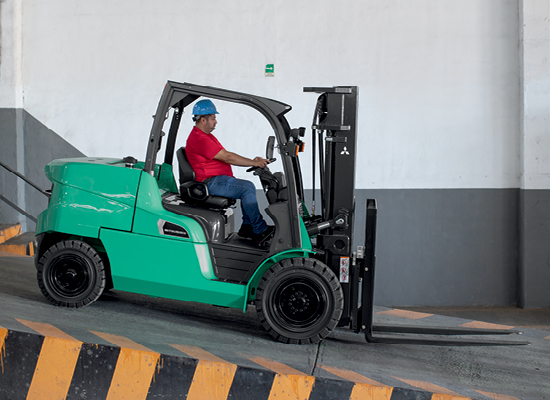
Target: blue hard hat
x,y
204,107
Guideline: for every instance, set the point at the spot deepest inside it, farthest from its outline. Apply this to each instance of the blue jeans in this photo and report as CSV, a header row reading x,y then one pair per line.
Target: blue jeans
x,y
228,186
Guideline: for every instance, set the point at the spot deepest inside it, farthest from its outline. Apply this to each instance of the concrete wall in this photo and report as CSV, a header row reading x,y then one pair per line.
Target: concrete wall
x,y
42,145
8,182
453,123
535,160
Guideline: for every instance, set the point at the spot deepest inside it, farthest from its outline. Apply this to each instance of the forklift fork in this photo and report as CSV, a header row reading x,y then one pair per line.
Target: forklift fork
x,y
362,299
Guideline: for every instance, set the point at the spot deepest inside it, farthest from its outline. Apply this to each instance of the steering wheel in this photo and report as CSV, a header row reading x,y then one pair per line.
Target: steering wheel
x,y
254,169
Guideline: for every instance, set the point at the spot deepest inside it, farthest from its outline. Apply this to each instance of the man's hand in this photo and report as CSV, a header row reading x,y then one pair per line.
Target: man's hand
x,y
260,162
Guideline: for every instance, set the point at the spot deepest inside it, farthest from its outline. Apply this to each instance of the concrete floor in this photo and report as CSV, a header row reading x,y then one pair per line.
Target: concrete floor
x,y
530,318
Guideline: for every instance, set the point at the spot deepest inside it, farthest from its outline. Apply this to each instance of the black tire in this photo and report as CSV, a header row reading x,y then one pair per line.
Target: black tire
x,y
299,300
71,274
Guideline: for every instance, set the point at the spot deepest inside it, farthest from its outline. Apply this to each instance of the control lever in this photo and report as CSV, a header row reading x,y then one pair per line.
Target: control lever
x,y
271,160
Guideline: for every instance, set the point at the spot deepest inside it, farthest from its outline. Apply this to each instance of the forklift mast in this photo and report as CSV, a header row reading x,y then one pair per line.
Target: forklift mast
x,y
334,129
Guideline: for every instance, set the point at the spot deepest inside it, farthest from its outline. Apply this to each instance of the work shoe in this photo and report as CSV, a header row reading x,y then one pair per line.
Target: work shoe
x,y
246,231
262,238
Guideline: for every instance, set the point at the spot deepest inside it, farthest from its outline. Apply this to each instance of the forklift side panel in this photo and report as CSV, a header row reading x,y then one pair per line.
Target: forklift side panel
x,y
149,211
167,268
166,180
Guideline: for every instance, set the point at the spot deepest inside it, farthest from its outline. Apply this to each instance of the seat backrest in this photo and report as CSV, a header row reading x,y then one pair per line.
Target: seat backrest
x,y
196,193
186,172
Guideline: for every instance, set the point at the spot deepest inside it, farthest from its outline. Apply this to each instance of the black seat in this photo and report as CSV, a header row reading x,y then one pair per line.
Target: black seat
x,y
196,193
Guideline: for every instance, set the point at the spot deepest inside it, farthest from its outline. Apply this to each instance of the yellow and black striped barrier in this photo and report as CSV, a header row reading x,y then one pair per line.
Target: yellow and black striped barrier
x,y
57,366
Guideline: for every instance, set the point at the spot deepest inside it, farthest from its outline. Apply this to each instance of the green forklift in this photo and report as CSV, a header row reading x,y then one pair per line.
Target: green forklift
x,y
130,226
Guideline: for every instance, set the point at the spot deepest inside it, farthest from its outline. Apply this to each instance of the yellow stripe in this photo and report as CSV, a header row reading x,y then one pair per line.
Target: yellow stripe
x,y
18,249
486,325
439,396
405,314
3,336
430,387
212,380
362,391
121,341
291,387
9,232
197,352
275,366
133,374
364,388
350,375
213,376
134,369
46,329
496,396
54,369
289,383
56,362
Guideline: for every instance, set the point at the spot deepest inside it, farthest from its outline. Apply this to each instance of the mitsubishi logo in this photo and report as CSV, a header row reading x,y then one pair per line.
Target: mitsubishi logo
x,y
345,151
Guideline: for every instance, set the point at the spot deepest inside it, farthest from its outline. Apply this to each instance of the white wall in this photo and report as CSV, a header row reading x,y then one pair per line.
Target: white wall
x,y
536,95
10,54
439,80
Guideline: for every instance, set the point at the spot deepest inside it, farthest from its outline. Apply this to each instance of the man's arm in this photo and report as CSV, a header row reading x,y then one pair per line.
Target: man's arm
x,y
239,161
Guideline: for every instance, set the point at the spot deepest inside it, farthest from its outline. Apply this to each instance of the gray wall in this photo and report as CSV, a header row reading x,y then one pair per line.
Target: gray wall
x,y
455,247
444,247
42,145
7,156
535,248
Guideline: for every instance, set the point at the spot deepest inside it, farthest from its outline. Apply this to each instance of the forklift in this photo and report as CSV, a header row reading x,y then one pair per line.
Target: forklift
x,y
128,225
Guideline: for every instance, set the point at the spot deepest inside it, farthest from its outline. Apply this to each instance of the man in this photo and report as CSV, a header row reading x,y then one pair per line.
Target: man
x,y
212,165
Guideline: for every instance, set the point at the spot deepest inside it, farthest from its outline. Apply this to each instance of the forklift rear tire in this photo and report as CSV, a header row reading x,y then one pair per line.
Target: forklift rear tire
x,y
299,301
71,274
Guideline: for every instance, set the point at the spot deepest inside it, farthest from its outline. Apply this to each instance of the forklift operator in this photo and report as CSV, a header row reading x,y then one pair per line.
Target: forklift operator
x,y
212,165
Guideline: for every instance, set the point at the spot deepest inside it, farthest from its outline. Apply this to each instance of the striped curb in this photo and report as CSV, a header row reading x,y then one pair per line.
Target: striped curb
x,y
41,367
8,231
12,240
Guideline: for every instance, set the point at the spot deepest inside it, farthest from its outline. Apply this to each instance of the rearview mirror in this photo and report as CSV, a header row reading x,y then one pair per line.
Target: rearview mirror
x,y
269,148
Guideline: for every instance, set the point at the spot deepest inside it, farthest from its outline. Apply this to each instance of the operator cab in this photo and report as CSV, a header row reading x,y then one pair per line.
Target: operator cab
x,y
185,196
234,259
215,213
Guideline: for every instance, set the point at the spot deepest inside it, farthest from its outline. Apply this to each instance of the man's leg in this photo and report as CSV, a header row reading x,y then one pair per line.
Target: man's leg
x,y
244,190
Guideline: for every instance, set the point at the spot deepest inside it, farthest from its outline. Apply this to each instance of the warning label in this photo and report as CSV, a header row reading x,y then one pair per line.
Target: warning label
x,y
344,269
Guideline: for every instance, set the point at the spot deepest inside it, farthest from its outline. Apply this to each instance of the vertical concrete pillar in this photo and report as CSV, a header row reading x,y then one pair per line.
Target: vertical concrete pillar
x,y
11,93
534,271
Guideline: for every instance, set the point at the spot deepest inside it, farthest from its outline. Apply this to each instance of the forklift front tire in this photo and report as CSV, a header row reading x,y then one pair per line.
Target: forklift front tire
x,y
299,301
71,274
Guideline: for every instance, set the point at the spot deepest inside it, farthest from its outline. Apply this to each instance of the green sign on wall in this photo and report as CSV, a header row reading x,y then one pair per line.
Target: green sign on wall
x,y
270,70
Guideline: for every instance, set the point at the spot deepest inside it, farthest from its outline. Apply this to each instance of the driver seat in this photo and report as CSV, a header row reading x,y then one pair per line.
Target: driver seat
x,y
196,193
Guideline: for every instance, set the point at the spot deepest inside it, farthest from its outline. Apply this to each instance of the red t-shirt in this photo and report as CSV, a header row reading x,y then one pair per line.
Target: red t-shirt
x,y
201,148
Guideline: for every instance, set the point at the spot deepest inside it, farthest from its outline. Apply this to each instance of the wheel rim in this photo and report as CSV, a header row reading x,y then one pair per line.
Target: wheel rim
x,y
299,303
70,276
